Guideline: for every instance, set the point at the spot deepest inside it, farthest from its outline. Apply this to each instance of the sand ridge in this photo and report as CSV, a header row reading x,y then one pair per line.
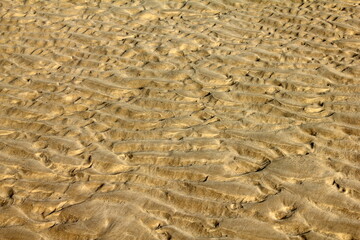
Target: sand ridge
x,y
214,119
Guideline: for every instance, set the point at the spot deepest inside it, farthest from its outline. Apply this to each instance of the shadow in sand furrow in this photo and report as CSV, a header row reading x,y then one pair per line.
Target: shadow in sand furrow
x,y
165,145
179,158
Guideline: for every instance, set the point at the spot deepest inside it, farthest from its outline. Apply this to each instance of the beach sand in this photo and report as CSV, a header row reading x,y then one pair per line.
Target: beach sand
x,y
215,119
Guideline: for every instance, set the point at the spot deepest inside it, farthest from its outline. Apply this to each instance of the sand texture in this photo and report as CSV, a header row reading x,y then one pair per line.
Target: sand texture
x,y
214,119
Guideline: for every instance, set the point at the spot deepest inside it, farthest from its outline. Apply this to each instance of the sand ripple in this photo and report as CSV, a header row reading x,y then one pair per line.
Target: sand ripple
x,y
215,119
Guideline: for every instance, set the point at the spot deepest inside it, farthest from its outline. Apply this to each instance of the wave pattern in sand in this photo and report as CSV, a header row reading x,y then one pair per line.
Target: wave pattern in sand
x,y
216,119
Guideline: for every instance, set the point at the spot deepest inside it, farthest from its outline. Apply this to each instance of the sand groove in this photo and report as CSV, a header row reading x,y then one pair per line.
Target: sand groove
x,y
214,119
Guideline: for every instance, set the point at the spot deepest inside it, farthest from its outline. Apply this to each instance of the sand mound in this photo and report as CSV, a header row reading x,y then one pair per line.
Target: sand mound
x,y
216,119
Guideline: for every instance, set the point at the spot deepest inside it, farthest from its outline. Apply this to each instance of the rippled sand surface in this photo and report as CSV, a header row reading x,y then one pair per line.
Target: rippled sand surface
x,y
214,119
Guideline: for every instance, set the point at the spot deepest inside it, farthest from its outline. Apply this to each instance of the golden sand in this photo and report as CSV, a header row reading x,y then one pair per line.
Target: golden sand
x,y
214,119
